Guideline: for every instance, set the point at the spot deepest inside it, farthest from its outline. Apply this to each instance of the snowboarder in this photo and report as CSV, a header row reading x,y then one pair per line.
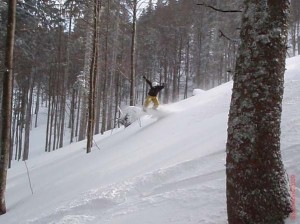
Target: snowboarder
x,y
152,94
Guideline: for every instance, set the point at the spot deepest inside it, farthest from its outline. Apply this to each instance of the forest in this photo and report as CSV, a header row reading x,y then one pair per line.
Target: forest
x,y
67,51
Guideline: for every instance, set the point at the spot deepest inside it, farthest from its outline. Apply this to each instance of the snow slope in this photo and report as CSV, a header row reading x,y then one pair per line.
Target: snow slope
x,y
169,169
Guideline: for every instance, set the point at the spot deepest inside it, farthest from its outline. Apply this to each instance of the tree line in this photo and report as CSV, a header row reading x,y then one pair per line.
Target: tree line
x,y
83,60
61,48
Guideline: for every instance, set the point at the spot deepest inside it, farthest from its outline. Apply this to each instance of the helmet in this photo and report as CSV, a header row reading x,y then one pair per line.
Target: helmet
x,y
154,84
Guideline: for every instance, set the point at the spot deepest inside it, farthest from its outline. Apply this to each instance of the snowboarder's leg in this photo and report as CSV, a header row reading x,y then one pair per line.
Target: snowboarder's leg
x,y
156,102
147,102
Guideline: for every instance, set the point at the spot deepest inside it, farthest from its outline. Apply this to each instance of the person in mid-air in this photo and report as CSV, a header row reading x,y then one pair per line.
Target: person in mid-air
x,y
152,94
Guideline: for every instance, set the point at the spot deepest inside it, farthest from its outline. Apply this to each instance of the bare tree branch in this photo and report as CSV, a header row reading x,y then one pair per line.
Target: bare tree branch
x,y
223,35
219,10
226,37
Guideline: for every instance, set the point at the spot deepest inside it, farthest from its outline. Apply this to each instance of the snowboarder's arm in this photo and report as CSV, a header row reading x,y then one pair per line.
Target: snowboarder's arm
x,y
148,81
161,87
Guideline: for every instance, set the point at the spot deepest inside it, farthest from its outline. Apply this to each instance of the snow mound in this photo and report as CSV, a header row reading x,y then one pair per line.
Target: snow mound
x,y
198,92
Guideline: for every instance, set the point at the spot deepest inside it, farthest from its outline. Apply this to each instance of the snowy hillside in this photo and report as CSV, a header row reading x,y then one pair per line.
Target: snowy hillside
x,y
168,170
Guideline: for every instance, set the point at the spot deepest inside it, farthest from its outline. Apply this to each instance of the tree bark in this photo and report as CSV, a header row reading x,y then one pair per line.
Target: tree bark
x,y
93,70
27,120
187,69
133,56
37,104
257,189
105,76
72,115
7,103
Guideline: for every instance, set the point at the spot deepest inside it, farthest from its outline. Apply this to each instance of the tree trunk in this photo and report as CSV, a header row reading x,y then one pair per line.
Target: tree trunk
x,y
72,115
166,79
62,121
52,126
28,118
49,126
5,140
86,71
133,59
105,77
14,127
37,104
179,67
78,113
93,70
187,69
257,190
298,34
198,58
115,51
98,103
56,123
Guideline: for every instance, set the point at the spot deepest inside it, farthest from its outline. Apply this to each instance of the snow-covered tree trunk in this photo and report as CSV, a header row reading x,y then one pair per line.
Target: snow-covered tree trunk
x,y
257,189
